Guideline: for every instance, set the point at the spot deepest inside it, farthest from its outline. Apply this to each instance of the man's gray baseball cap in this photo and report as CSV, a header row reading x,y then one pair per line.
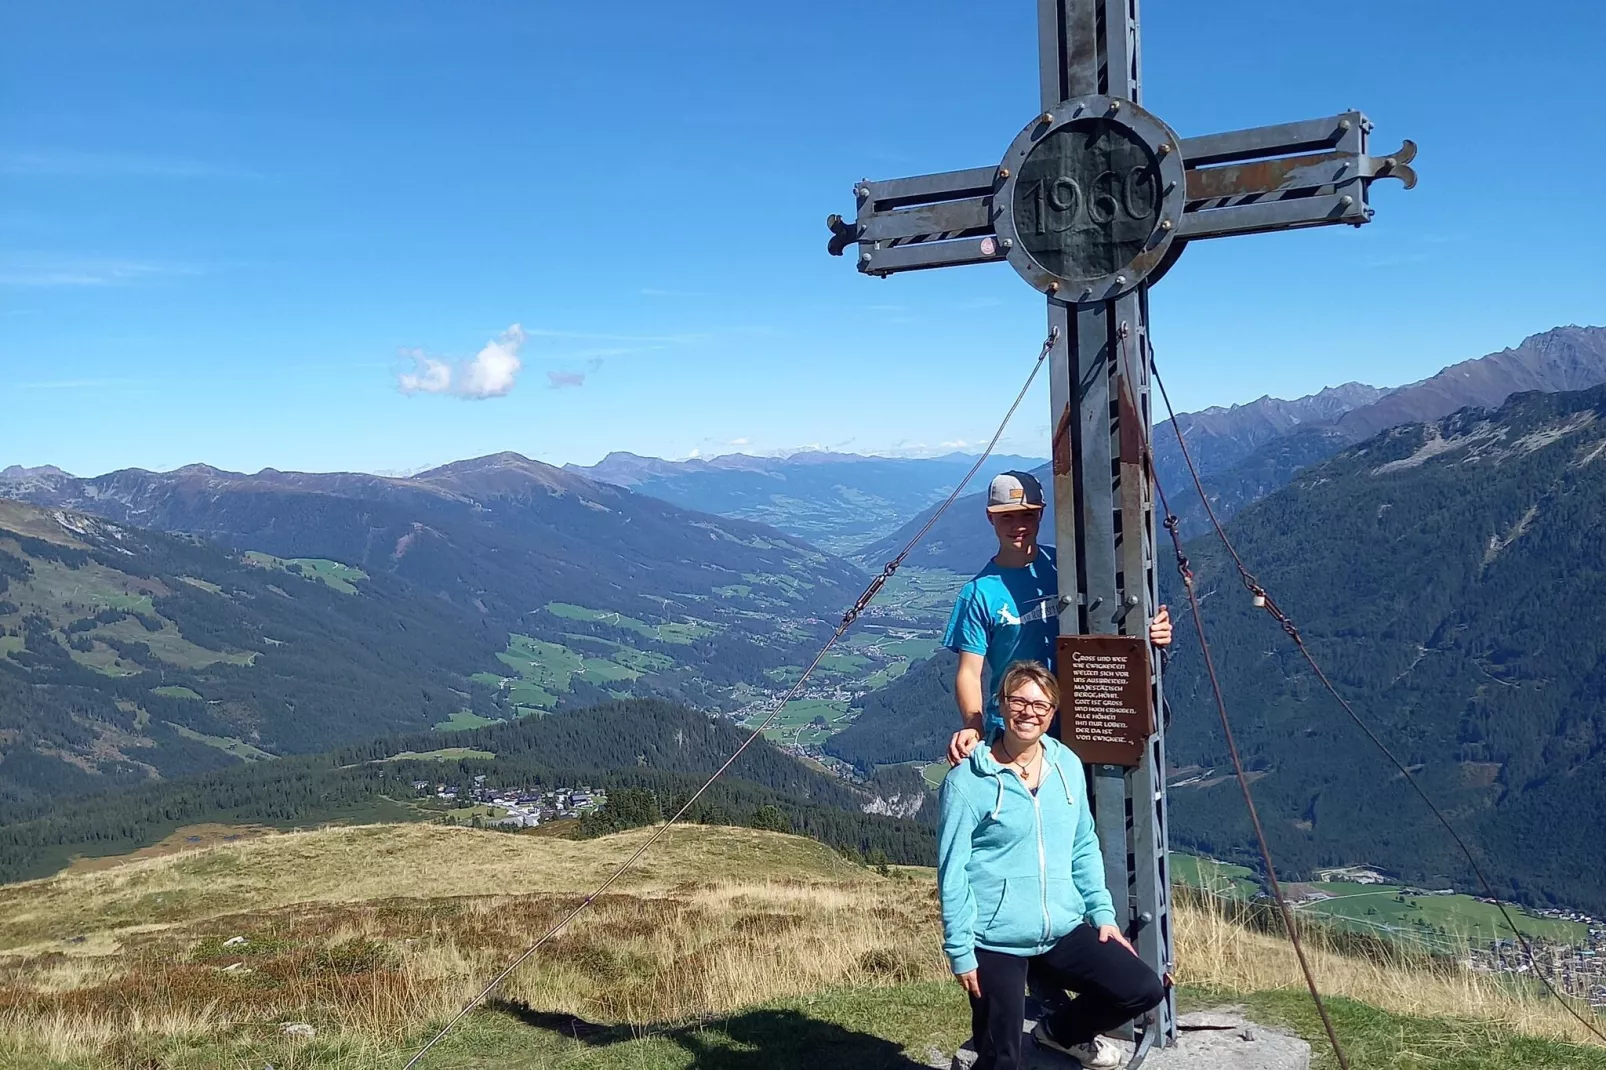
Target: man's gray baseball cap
x,y
1012,492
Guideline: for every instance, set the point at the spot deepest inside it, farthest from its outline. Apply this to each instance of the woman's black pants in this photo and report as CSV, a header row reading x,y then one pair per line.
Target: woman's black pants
x,y
1113,986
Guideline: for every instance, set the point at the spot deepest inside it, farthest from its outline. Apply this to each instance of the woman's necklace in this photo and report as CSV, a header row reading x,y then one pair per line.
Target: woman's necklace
x,y
1025,769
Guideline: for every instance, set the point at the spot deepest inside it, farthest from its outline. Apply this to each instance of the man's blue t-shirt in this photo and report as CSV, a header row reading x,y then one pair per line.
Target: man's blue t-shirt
x,y
1007,614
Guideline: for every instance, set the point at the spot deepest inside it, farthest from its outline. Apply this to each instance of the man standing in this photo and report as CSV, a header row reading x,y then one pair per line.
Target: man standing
x,y
1010,611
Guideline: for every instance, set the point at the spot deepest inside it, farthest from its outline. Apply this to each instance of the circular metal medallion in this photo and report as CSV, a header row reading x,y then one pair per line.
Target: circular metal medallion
x,y
1092,198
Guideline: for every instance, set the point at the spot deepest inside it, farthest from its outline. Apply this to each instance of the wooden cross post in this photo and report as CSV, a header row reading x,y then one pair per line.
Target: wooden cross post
x,y
1092,203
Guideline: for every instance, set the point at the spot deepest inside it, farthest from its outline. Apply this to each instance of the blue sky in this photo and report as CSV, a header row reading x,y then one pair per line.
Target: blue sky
x,y
227,230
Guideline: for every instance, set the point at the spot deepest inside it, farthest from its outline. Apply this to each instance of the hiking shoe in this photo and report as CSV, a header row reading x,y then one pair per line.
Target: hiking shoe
x,y
1096,1054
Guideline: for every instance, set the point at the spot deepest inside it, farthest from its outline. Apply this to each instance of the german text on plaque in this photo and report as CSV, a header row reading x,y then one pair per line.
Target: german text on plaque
x,y
1106,706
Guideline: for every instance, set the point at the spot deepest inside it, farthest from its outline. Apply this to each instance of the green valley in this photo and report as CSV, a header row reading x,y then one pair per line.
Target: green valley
x,y
1440,922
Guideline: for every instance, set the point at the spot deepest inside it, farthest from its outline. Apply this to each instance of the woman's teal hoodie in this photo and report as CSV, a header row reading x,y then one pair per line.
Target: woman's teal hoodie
x,y
1016,871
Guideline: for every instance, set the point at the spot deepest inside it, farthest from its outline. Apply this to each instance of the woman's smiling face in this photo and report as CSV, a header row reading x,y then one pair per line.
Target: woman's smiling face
x,y
1027,713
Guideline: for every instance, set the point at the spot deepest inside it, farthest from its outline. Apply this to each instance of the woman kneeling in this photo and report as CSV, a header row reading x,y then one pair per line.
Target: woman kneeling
x,y
1022,885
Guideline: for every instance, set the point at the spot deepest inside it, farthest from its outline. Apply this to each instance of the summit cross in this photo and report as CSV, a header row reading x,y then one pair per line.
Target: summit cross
x,y
1093,201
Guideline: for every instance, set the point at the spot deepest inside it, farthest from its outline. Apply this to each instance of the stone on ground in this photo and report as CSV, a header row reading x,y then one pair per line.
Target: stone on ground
x,y
1219,1039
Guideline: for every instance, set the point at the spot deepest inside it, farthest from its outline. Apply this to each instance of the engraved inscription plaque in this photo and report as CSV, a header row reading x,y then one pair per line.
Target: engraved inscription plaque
x,y
1087,200
1106,710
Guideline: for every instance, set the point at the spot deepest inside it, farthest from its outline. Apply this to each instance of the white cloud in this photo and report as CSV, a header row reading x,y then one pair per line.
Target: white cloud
x,y
741,441
428,376
956,444
491,374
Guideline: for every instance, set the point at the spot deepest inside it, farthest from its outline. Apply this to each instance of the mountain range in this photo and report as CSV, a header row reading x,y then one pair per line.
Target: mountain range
x,y
1246,451
279,613
502,535
837,501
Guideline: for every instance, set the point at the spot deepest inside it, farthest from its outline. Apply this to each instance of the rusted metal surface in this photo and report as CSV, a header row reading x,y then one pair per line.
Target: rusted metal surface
x,y
1271,176
1130,431
1062,441
1288,174
951,219
1261,216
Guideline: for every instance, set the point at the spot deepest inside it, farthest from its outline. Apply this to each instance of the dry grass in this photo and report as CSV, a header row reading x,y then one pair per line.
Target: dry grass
x,y
356,864
1215,952
187,838
367,933
371,931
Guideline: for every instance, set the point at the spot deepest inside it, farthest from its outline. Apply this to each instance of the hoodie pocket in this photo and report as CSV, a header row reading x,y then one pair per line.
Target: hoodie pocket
x,y
1017,923
1066,907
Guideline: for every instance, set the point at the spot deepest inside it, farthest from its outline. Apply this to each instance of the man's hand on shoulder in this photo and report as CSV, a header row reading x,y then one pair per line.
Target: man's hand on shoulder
x,y
963,742
1160,627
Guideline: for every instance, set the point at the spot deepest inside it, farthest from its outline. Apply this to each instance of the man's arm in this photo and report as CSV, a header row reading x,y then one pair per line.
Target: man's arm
x,y
967,696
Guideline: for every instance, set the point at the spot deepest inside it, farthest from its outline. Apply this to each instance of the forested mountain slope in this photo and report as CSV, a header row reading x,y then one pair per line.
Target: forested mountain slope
x,y
649,744
127,654
1452,579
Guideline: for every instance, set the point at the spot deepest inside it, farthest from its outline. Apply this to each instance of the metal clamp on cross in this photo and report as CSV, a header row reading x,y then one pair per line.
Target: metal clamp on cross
x,y
1092,203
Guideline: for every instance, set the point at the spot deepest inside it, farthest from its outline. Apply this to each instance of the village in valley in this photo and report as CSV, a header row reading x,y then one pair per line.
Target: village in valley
x,y
511,808
1578,970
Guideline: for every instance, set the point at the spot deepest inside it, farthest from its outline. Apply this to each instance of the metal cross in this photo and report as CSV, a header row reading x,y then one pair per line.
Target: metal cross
x,y
1092,203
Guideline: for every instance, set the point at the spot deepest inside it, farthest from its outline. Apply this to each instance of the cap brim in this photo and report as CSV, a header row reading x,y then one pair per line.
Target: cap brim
x,y
1014,508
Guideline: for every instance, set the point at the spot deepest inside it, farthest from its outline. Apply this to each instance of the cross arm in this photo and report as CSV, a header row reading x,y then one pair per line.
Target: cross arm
x,y
906,224
1303,174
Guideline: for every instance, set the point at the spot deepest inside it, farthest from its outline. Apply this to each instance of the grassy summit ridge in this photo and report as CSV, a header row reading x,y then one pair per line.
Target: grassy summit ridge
x,y
729,948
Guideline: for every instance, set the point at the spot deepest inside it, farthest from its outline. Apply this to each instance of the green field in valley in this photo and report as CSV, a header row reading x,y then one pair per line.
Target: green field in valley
x,y
228,744
465,719
543,670
1448,920
796,723
1445,923
166,644
688,631
442,755
1207,874
342,578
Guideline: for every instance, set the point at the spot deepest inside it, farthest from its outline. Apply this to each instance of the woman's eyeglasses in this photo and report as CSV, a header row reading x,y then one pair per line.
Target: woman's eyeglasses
x,y
1036,707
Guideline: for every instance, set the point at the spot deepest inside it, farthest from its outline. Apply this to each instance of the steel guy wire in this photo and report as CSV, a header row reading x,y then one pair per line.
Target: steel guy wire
x,y
1263,600
1289,924
848,619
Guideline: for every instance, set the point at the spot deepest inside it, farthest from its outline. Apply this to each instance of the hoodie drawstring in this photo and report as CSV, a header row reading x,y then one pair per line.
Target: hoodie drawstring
x,y
1064,780
998,800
